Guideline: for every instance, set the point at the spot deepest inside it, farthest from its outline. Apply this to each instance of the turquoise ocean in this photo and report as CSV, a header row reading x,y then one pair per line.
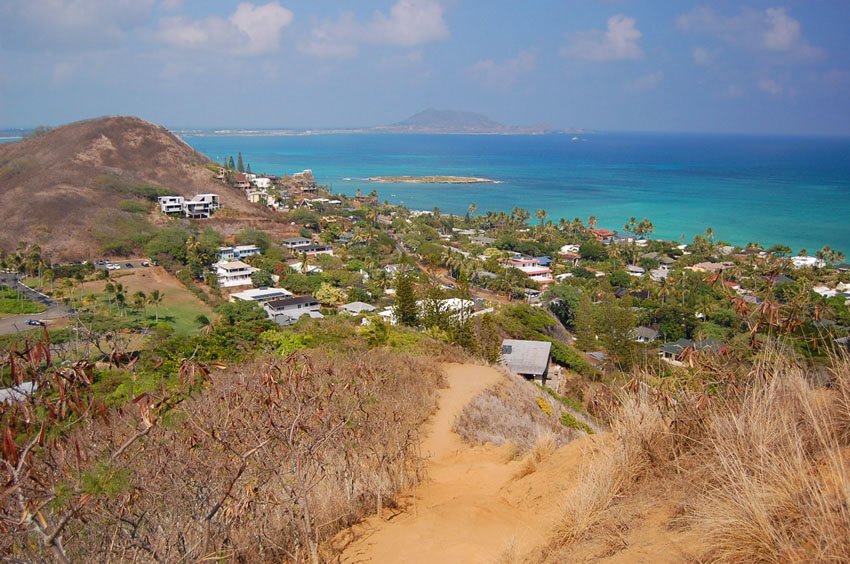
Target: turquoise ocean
x,y
789,190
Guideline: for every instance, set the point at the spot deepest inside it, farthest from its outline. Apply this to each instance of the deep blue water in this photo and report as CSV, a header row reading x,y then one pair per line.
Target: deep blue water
x,y
790,190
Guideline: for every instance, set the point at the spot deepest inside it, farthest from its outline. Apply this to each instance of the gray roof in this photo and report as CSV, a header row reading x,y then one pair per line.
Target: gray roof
x,y
358,307
526,357
645,333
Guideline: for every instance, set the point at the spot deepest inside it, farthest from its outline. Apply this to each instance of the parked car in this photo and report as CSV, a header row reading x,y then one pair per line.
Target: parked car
x,y
129,265
35,322
145,263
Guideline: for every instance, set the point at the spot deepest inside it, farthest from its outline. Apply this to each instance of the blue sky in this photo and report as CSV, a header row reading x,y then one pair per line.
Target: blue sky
x,y
757,67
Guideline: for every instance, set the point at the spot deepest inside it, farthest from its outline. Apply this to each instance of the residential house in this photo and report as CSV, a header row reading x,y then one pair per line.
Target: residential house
x,y
171,204
296,243
356,308
234,273
634,270
201,206
287,311
306,268
601,234
238,252
644,335
674,352
529,359
482,240
262,182
261,295
532,268
807,262
314,249
241,181
711,266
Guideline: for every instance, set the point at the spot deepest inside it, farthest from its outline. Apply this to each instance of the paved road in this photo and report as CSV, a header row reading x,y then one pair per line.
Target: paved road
x,y
17,323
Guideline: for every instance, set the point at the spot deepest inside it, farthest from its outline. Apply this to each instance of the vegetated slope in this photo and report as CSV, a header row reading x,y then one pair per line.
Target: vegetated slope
x,y
59,188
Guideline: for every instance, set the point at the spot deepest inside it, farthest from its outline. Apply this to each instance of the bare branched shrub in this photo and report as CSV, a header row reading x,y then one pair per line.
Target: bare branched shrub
x,y
265,464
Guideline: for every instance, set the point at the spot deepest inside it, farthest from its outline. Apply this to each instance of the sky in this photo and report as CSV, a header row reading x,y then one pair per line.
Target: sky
x,y
617,65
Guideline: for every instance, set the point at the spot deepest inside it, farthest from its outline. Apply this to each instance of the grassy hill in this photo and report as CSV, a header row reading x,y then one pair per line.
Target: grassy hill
x,y
73,188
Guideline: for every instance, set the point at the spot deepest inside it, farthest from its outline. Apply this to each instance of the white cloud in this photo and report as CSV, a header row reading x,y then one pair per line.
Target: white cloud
x,y
409,23
703,56
171,5
646,82
770,31
70,25
506,72
617,43
770,86
252,29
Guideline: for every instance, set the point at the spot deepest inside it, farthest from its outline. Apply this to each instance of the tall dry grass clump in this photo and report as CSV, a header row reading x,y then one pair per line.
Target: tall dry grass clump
x,y
759,465
777,488
640,444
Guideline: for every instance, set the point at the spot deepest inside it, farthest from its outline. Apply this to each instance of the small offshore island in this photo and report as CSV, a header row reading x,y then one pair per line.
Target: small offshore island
x,y
431,180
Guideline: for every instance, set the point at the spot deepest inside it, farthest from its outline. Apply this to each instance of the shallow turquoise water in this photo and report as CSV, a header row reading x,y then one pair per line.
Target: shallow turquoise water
x,y
791,190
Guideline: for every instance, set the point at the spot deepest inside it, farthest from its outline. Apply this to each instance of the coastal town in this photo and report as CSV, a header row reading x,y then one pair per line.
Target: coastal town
x,y
621,298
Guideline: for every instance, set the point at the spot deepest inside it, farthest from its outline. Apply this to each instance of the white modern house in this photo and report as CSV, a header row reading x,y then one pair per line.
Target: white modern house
x,y
262,182
234,273
171,204
201,206
261,295
807,262
238,252
287,311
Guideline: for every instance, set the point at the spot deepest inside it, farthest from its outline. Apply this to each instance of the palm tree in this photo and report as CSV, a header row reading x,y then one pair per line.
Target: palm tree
x,y
591,222
472,208
155,298
541,215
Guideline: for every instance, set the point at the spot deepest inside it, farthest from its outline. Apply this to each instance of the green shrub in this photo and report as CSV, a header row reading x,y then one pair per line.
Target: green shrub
x,y
568,420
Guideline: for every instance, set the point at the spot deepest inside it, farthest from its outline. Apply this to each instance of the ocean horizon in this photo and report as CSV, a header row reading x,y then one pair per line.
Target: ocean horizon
x,y
747,188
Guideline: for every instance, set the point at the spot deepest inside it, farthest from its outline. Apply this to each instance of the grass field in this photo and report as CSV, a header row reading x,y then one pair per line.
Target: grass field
x,y
179,306
12,304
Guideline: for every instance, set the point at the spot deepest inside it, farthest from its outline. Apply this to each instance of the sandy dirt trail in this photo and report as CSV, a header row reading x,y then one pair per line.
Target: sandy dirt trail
x,y
471,508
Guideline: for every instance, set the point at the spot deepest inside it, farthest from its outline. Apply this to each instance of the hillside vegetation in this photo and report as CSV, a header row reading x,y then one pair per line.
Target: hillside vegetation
x,y
73,188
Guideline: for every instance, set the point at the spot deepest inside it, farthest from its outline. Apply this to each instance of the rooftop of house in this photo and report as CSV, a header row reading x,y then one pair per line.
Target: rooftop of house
x,y
358,307
261,293
293,301
526,357
233,265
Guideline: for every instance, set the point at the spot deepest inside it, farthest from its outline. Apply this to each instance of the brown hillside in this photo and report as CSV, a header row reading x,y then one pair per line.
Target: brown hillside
x,y
62,189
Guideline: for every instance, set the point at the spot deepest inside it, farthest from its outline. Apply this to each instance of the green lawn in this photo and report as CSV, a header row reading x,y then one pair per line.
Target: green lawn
x,y
12,304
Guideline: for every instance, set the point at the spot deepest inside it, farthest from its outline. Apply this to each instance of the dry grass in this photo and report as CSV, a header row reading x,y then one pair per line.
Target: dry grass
x,y
761,470
544,447
515,412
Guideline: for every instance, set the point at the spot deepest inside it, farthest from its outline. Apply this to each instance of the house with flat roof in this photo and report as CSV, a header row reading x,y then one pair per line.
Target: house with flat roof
x,y
234,273
201,206
529,359
261,295
297,243
287,311
314,249
171,204
238,252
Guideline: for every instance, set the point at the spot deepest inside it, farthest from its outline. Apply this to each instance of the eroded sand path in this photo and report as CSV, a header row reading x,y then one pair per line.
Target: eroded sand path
x,y
472,508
